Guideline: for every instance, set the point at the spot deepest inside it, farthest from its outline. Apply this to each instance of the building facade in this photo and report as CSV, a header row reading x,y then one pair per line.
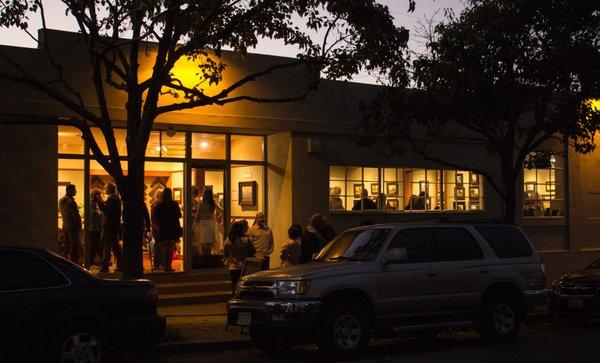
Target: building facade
x,y
287,160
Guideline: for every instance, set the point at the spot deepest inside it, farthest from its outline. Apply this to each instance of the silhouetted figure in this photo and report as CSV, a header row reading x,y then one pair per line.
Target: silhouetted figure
x,y
237,248
111,227
169,230
71,223
95,228
367,203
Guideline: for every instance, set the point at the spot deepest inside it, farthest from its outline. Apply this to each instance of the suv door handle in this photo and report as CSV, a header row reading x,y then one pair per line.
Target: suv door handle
x,y
484,271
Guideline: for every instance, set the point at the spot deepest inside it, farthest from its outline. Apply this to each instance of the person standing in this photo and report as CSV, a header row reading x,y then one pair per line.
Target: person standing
x,y
157,263
167,214
290,252
111,227
71,222
95,225
204,232
262,238
313,239
237,248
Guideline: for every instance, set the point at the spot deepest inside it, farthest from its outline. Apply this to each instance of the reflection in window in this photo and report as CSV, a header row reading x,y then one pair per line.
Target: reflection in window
x,y
166,144
543,186
208,146
247,148
403,189
69,140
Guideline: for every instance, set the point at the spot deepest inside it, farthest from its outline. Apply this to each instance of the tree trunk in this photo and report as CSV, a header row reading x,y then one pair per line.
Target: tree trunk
x,y
133,219
510,205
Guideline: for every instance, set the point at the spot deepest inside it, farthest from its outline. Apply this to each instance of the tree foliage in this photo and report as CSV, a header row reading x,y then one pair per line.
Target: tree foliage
x,y
508,75
335,39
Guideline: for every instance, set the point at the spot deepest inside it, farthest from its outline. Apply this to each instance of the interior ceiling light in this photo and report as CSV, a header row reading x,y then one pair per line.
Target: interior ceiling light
x,y
171,132
204,144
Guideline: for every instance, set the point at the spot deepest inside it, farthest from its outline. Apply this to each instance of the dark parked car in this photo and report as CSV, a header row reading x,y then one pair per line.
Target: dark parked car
x,y
53,308
577,295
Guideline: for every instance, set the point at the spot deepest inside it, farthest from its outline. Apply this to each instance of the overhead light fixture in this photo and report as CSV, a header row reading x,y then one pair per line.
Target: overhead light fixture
x,y
171,132
204,144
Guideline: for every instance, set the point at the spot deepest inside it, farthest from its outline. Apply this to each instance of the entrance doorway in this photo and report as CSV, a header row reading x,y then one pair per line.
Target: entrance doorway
x,y
208,220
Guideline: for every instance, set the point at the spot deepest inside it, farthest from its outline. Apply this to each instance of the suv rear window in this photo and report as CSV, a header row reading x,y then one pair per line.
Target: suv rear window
x,y
506,241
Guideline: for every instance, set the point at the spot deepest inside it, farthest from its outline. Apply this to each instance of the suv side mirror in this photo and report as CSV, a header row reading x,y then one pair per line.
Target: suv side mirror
x,y
397,254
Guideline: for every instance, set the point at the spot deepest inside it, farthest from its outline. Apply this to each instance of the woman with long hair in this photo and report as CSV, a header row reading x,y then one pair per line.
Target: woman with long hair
x,y
167,214
237,248
204,233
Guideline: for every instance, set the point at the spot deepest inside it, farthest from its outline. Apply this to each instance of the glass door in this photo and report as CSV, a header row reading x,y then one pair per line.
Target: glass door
x,y
208,216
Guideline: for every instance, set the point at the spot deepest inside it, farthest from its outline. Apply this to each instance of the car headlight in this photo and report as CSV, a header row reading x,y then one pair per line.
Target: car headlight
x,y
291,288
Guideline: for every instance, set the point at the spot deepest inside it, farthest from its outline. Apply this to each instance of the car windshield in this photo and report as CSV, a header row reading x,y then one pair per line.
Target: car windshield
x,y
361,245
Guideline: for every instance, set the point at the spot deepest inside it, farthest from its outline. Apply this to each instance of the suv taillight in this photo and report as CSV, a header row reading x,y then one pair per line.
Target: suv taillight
x,y
150,299
543,268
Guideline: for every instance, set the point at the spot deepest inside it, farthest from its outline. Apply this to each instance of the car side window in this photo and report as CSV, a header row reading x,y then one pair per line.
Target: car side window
x,y
22,270
457,244
506,241
418,243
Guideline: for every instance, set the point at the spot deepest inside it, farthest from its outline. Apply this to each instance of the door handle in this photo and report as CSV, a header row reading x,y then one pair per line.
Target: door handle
x,y
431,274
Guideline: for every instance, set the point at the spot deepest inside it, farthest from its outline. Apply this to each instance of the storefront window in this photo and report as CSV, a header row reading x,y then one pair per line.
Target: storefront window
x,y
463,190
120,137
247,191
208,146
543,187
247,148
69,140
166,144
403,189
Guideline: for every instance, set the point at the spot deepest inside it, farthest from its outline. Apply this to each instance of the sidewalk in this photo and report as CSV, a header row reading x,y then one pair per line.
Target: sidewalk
x,y
192,328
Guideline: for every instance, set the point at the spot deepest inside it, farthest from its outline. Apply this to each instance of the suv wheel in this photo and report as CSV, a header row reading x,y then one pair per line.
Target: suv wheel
x,y
344,330
271,341
501,319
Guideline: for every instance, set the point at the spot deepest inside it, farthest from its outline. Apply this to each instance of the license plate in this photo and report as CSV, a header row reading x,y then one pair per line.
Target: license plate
x,y
244,319
575,303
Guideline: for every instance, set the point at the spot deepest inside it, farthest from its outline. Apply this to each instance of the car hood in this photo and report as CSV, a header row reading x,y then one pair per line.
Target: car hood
x,y
312,270
587,276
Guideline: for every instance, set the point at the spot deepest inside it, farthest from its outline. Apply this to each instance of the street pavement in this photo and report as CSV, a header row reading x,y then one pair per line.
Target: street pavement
x,y
540,341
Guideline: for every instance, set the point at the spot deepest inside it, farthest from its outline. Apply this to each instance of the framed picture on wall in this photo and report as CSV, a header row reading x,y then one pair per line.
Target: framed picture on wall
x,y
473,178
530,186
177,194
459,206
247,193
391,189
459,193
550,186
374,189
474,192
459,179
358,188
474,206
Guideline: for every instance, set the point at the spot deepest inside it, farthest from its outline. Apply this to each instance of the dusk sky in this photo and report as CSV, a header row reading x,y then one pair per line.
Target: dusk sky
x,y
57,19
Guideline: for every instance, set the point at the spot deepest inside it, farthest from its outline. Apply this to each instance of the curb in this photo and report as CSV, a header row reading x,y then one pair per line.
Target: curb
x,y
193,347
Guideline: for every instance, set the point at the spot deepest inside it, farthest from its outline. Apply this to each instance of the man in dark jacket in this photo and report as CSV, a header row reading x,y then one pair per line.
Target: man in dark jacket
x,y
316,235
167,214
71,222
111,227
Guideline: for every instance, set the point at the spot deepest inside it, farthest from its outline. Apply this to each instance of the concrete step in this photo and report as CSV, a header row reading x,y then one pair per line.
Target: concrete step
x,y
168,288
194,298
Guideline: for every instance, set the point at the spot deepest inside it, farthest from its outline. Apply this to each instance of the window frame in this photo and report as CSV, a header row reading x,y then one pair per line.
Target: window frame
x,y
45,260
540,200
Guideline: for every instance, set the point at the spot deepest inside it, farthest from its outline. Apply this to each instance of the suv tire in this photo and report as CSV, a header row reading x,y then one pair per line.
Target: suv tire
x,y
501,319
270,340
344,330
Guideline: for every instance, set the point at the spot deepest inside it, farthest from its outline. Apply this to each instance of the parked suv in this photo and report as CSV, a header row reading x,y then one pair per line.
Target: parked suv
x,y
415,278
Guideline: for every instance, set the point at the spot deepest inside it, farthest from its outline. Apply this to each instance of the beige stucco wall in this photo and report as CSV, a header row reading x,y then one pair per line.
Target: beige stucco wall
x,y
28,184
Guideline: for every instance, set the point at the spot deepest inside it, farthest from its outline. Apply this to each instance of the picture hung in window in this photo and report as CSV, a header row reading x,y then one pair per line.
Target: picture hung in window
x,y
543,185
421,190
463,191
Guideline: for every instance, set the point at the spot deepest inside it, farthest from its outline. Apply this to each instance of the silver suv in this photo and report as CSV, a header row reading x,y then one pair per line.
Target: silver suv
x,y
416,278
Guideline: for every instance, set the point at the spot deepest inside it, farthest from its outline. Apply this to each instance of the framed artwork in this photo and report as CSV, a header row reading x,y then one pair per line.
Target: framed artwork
x,y
459,193
177,194
473,178
474,206
460,206
530,186
247,193
423,187
391,188
459,179
375,189
474,192
392,204
358,188
550,186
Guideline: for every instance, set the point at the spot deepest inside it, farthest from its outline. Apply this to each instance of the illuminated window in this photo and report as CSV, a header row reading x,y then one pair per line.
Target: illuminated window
x,y
543,186
69,140
353,188
120,137
166,144
208,146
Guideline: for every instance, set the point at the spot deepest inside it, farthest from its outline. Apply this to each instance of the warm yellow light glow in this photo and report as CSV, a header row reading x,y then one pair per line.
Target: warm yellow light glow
x,y
595,104
204,144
